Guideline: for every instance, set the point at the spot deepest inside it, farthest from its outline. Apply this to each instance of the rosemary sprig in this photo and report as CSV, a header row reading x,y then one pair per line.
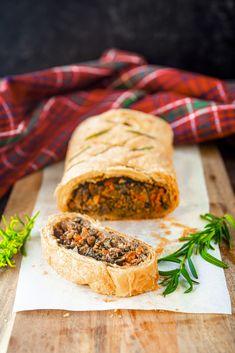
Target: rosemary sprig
x,y
216,231
14,238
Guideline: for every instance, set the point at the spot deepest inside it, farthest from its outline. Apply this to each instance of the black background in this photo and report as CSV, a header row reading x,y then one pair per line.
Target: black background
x,y
193,35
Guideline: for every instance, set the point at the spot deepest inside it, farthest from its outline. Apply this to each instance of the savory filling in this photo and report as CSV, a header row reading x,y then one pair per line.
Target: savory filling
x,y
78,234
122,197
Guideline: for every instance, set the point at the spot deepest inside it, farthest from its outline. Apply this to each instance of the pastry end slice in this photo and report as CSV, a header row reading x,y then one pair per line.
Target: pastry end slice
x,y
119,166
84,252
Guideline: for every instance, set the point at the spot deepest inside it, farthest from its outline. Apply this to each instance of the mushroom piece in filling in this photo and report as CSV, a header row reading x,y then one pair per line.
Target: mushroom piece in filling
x,y
119,196
106,245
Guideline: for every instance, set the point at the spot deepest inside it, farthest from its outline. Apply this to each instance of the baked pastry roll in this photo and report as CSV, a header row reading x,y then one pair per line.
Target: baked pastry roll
x,y
119,166
84,252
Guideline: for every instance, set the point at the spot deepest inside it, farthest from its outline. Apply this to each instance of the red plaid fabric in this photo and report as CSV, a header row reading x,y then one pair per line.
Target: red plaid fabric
x,y
39,110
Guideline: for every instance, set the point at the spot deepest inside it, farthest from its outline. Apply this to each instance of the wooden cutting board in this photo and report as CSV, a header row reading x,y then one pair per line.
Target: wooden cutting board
x,y
123,331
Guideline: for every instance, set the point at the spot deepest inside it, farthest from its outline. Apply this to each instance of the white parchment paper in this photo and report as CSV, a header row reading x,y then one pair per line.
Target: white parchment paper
x,y
39,287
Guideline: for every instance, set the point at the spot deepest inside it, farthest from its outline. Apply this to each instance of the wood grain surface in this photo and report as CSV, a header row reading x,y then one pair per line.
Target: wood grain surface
x,y
123,330
21,201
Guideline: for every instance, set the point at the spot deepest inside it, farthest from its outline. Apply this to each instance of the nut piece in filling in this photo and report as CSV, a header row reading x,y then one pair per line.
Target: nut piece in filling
x,y
107,246
121,197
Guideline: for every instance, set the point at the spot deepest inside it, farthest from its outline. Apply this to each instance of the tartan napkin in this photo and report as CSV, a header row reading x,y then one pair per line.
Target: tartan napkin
x,y
39,110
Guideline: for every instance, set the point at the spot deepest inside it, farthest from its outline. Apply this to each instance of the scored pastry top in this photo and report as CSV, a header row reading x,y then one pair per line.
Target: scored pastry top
x,y
120,139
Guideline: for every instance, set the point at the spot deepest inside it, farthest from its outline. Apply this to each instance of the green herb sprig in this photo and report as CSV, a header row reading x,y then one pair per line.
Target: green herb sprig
x,y
14,237
216,231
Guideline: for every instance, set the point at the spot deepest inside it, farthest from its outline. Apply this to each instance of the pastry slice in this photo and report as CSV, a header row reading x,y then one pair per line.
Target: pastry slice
x,y
84,252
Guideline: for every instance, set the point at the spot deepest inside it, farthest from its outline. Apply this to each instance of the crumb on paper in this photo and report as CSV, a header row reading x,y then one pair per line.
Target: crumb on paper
x,y
177,224
159,251
66,315
106,298
163,226
167,232
164,241
188,231
33,265
109,300
161,246
45,273
187,228
169,218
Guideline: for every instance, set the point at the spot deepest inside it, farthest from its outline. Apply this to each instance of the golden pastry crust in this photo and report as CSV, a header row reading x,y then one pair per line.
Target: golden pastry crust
x,y
102,277
120,143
